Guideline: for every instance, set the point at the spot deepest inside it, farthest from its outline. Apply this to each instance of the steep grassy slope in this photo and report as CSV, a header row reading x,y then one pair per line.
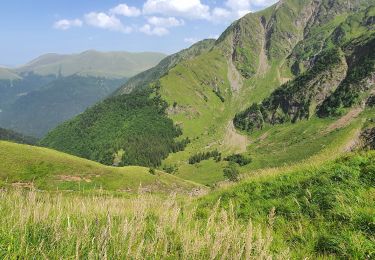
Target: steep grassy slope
x,y
30,166
148,76
284,24
315,212
37,112
93,63
9,135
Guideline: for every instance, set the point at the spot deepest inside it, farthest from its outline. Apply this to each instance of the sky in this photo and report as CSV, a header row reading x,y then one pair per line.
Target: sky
x,y
30,28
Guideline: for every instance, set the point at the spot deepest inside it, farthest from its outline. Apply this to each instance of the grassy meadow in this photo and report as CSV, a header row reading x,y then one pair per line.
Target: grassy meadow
x,y
46,169
315,212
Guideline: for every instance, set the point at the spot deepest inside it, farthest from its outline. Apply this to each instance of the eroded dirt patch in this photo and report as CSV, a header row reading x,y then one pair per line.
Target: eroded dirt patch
x,y
235,141
345,120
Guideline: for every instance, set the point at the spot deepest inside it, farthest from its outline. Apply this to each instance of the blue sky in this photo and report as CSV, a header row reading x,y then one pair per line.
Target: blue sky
x,y
30,28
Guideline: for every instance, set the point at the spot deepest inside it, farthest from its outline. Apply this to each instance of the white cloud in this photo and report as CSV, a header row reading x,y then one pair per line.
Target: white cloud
x,y
105,21
158,31
158,25
125,10
65,24
191,9
165,22
160,15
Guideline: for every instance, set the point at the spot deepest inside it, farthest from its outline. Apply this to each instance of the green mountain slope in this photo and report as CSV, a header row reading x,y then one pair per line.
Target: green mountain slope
x,y
256,55
93,63
37,112
148,76
30,166
316,212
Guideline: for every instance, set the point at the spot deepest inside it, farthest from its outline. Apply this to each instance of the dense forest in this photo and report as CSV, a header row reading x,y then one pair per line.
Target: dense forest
x,y
132,129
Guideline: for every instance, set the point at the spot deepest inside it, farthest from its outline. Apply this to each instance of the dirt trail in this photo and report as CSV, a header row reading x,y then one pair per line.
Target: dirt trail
x,y
345,120
235,141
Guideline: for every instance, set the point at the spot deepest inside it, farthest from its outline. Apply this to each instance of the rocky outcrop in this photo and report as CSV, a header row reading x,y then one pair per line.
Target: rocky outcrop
x,y
367,139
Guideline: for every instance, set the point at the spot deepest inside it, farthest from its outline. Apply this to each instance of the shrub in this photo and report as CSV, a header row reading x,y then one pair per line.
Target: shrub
x,y
231,173
197,158
239,159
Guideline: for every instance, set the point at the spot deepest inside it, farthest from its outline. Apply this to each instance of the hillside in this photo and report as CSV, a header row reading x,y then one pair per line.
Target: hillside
x,y
316,212
145,78
287,60
92,63
30,166
320,212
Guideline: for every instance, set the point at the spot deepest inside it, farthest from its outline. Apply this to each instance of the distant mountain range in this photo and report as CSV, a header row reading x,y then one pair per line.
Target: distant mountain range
x,y
92,63
52,88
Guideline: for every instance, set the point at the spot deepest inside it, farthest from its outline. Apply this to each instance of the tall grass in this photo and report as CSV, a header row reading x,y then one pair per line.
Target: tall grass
x,y
56,225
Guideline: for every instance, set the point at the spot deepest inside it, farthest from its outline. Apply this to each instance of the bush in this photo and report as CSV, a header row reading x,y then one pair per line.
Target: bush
x,y
231,173
197,158
239,159
171,169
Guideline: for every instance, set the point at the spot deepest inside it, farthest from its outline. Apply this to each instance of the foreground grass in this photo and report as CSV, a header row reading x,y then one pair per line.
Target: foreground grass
x,y
62,226
318,212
